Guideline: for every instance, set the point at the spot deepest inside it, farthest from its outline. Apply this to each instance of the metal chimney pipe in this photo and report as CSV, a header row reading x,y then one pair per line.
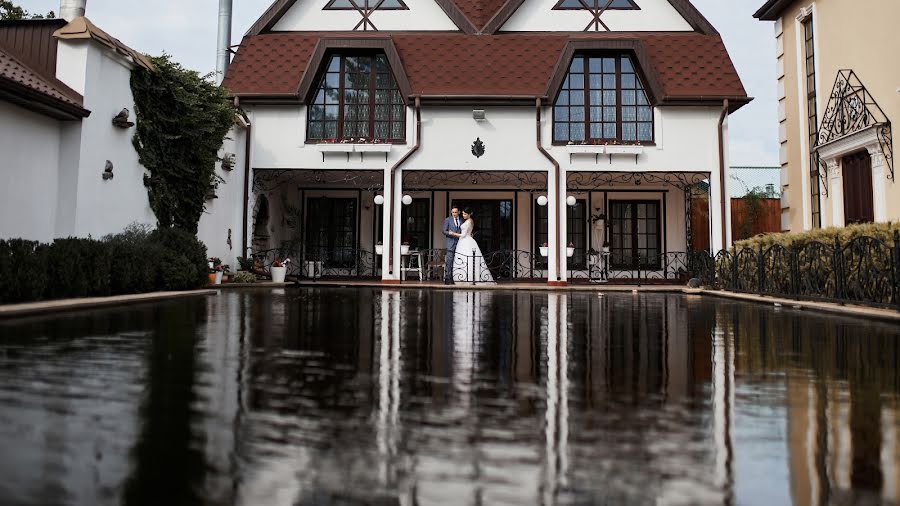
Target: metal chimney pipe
x,y
223,58
71,9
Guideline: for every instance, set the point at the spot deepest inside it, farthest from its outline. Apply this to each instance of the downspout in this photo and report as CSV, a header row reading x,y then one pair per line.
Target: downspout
x,y
247,144
555,182
389,198
722,181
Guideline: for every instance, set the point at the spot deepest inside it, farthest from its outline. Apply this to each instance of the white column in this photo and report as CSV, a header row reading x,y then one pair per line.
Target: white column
x,y
878,183
836,190
552,212
563,229
398,210
715,211
385,226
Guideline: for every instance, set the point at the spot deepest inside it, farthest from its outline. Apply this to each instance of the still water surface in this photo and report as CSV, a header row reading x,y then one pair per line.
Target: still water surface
x,y
346,396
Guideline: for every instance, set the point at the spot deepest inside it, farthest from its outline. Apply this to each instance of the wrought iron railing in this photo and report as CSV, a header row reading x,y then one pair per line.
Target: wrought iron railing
x,y
864,270
469,267
321,263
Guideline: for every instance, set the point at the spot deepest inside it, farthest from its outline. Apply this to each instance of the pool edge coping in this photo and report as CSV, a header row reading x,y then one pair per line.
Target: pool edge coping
x,y
65,305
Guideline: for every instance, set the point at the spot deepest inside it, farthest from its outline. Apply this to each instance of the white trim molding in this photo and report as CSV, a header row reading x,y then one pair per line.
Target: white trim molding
x,y
832,152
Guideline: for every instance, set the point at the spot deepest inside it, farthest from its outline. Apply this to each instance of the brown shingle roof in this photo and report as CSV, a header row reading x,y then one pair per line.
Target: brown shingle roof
x,y
689,65
479,12
21,84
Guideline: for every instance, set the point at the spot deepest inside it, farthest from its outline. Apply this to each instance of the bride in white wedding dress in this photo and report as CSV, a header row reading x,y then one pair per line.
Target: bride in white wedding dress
x,y
468,262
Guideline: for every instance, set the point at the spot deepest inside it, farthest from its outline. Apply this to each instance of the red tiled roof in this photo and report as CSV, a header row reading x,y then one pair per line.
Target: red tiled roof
x,y
19,78
479,12
689,64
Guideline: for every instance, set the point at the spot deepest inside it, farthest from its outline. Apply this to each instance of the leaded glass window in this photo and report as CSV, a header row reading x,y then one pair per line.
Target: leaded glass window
x,y
602,98
595,4
357,98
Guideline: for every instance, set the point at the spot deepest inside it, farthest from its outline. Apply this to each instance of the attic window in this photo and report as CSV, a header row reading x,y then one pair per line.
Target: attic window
x,y
366,5
596,5
357,98
603,100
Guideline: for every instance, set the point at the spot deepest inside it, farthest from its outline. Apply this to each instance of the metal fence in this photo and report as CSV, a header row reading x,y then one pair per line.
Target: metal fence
x,y
865,270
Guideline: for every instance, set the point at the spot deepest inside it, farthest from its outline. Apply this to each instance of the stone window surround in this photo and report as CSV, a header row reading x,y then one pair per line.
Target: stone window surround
x,y
832,153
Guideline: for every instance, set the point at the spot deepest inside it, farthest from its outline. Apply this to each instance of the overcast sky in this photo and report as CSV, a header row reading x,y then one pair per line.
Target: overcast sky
x,y
186,29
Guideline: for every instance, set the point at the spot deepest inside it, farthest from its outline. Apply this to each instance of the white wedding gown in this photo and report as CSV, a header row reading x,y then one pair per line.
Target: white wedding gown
x,y
468,263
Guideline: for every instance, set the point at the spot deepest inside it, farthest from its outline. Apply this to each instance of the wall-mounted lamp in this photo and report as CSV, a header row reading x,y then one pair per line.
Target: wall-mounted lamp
x,y
478,114
379,200
542,200
407,200
571,201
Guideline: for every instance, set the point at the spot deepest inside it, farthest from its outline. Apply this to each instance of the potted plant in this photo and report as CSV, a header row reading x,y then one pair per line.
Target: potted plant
x,y
606,246
225,274
279,269
570,249
544,250
215,271
404,247
379,248
245,264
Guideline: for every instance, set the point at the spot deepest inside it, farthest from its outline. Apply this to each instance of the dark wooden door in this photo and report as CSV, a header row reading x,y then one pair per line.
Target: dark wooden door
x,y
858,200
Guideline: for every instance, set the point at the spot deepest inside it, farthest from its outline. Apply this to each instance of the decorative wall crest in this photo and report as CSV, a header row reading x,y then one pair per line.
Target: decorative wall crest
x,y
478,148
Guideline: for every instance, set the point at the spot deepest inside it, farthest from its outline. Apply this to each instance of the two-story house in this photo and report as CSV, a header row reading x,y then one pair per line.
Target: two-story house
x,y
837,94
569,127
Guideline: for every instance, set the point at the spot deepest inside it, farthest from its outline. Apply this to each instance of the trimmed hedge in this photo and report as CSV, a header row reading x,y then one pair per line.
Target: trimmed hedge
x,y
136,261
882,231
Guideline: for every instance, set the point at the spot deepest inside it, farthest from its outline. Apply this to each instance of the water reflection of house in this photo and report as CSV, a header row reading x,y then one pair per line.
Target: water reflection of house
x,y
514,110
840,389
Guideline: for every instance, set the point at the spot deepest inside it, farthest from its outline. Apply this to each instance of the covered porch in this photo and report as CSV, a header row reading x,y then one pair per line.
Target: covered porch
x,y
618,226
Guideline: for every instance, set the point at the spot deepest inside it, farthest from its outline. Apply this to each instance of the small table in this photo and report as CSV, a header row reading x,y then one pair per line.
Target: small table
x,y
413,261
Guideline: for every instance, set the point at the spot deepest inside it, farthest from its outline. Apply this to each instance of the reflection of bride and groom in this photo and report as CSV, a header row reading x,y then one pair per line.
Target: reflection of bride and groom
x,y
464,261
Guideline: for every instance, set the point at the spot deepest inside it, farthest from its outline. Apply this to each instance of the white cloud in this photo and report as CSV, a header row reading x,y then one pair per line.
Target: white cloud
x,y
186,29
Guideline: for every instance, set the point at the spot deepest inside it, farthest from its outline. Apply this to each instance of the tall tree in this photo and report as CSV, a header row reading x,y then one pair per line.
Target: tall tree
x,y
9,10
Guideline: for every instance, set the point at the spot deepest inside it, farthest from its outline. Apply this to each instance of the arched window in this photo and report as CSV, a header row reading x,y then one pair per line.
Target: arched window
x,y
602,99
357,98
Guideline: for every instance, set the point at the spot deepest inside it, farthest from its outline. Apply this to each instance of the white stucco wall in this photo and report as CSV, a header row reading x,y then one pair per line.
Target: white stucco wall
x,y
107,206
29,144
307,15
653,15
226,212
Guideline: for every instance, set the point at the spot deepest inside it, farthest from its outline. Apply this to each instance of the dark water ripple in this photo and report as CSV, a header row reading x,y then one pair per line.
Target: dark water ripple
x,y
340,396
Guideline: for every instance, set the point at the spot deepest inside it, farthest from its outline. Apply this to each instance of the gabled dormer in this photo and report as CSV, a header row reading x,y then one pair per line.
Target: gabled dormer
x,y
361,15
355,89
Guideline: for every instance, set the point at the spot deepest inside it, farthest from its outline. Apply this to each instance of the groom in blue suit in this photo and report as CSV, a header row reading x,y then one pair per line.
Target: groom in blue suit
x,y
451,230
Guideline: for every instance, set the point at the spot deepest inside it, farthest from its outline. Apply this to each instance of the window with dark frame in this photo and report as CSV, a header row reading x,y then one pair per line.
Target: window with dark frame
x,y
812,121
634,234
414,224
602,99
357,98
595,4
366,5
331,231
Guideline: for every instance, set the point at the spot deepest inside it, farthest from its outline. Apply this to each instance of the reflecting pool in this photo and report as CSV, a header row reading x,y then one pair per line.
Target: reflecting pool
x,y
355,396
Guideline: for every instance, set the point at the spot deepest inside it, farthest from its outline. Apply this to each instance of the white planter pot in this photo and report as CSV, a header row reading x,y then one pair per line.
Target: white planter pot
x,y
379,249
543,250
570,252
219,277
404,249
278,274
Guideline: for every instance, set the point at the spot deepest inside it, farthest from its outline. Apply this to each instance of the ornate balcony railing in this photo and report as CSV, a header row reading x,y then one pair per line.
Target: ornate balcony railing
x,y
321,263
